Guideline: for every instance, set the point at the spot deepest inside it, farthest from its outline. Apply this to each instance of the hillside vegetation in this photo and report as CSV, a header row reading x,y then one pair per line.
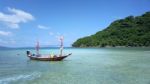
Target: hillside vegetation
x,y
130,31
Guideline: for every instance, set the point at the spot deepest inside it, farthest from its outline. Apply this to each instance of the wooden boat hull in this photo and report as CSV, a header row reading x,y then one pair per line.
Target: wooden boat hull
x,y
46,58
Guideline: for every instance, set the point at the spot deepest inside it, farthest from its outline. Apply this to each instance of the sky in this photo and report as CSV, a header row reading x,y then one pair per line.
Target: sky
x,y
23,22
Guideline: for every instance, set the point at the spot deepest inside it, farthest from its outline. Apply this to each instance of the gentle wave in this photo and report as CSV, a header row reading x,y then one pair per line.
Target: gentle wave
x,y
146,51
31,76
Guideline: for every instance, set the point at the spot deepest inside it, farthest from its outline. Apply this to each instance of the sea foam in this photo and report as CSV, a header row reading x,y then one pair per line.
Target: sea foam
x,y
30,76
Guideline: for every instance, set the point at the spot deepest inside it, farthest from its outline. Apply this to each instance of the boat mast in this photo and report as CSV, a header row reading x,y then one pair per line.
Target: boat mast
x,y
37,48
61,45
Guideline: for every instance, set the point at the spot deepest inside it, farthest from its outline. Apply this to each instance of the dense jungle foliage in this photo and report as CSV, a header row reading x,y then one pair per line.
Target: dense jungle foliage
x,y
130,31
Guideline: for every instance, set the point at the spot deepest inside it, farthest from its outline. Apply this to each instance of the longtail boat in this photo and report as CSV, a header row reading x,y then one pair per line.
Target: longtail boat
x,y
40,57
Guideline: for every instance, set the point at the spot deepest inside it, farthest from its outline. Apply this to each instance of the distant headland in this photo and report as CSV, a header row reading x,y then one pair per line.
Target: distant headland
x,y
3,47
128,32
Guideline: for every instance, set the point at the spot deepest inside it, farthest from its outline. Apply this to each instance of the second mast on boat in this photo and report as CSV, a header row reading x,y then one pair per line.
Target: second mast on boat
x,y
61,46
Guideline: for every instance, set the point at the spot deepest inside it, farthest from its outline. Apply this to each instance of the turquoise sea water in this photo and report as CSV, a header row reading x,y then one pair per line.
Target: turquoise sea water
x,y
84,66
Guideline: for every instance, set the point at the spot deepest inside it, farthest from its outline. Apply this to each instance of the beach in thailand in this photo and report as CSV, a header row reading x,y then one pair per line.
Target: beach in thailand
x,y
74,41
84,66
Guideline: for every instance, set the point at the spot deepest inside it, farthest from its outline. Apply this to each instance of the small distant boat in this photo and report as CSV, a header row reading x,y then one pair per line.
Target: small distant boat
x,y
48,57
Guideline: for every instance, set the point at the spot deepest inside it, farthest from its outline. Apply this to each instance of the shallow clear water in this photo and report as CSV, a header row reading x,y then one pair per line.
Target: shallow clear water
x,y
84,66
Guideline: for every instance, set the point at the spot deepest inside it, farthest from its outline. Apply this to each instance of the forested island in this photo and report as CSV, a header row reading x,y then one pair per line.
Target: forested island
x,y
129,32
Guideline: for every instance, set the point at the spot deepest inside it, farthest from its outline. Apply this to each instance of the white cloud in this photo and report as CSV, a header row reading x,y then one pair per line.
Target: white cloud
x,y
7,41
5,33
42,27
3,42
15,17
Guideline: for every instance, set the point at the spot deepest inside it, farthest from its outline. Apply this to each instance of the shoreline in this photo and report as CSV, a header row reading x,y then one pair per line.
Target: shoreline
x,y
74,47
115,47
